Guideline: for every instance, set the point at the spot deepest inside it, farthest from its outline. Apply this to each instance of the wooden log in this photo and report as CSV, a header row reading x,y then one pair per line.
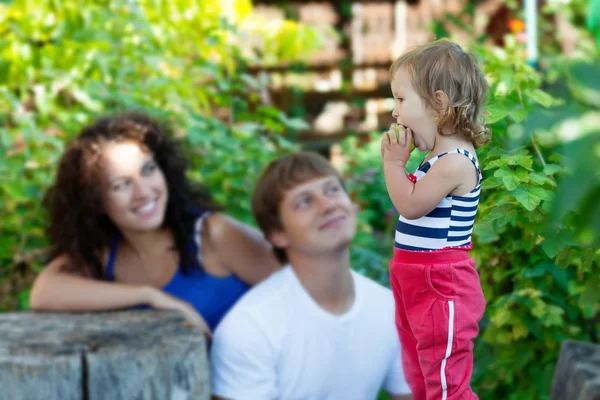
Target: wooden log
x,y
577,375
144,354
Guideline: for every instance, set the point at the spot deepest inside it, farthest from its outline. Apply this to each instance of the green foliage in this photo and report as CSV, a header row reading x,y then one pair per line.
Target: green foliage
x,y
62,64
593,19
535,238
574,129
584,15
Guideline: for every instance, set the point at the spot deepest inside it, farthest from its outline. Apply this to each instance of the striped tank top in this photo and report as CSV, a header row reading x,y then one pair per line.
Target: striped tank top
x,y
449,225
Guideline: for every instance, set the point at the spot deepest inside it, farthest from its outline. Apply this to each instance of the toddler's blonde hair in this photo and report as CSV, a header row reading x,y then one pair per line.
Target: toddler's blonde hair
x,y
444,65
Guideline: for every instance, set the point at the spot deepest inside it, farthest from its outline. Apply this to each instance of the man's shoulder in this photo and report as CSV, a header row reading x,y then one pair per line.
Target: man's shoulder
x,y
376,313
262,299
256,313
375,295
267,292
372,286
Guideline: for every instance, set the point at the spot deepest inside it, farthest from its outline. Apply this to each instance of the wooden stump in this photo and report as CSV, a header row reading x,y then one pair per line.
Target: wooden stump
x,y
577,375
129,355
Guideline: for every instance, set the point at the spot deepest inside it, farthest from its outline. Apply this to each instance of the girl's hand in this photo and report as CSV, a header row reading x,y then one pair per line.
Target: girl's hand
x,y
396,145
161,301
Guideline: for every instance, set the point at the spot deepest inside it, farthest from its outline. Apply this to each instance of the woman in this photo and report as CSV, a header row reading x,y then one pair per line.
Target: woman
x,y
127,229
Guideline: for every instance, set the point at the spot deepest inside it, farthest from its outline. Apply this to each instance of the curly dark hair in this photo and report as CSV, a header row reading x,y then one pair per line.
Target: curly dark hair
x,y
78,225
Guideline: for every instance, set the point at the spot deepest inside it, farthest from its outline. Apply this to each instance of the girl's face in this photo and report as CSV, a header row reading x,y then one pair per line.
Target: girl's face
x,y
135,192
410,110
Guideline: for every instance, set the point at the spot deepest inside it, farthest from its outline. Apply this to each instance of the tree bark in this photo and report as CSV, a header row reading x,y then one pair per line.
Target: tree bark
x,y
125,355
577,375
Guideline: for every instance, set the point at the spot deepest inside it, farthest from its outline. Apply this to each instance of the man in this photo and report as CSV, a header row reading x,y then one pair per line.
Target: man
x,y
314,329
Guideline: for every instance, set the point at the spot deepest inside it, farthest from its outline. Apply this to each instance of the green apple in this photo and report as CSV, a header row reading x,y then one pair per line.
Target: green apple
x,y
397,129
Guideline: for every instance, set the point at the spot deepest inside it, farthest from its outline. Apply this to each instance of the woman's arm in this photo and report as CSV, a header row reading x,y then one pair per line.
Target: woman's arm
x,y
58,290
240,249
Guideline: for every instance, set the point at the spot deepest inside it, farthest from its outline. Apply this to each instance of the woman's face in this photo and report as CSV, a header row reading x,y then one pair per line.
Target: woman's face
x,y
135,192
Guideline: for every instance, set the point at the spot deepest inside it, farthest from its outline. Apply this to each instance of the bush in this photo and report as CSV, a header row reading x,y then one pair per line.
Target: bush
x,y
538,268
65,63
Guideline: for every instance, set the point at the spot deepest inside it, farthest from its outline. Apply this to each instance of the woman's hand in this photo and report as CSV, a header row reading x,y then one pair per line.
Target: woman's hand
x,y
161,301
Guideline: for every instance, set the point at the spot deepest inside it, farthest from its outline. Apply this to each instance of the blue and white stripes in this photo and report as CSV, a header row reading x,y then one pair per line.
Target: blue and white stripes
x,y
450,224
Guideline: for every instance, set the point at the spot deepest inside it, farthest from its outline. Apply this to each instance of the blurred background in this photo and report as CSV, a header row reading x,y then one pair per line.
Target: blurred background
x,y
243,82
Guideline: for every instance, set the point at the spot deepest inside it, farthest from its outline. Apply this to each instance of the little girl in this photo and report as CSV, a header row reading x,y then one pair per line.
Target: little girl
x,y
439,97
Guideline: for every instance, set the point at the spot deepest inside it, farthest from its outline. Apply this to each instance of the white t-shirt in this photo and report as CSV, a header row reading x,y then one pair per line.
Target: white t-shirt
x,y
278,343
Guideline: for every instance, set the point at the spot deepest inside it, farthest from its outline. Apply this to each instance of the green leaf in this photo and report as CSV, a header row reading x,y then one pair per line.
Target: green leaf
x,y
536,272
507,274
497,152
511,182
519,114
560,276
486,232
16,191
541,180
541,97
499,109
522,174
530,197
522,161
496,164
551,169
502,172
590,297
534,327
517,160
554,244
7,244
491,183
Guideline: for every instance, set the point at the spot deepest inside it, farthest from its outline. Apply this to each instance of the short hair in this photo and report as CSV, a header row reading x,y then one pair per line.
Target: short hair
x,y
444,65
278,177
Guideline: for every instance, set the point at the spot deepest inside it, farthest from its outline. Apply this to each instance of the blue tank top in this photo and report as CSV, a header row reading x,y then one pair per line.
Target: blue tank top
x,y
211,296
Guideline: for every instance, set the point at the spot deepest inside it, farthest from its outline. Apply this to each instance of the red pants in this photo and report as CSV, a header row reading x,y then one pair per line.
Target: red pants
x,y
439,303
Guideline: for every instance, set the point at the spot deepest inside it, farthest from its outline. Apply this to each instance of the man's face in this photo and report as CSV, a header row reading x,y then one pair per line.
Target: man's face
x,y
317,217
